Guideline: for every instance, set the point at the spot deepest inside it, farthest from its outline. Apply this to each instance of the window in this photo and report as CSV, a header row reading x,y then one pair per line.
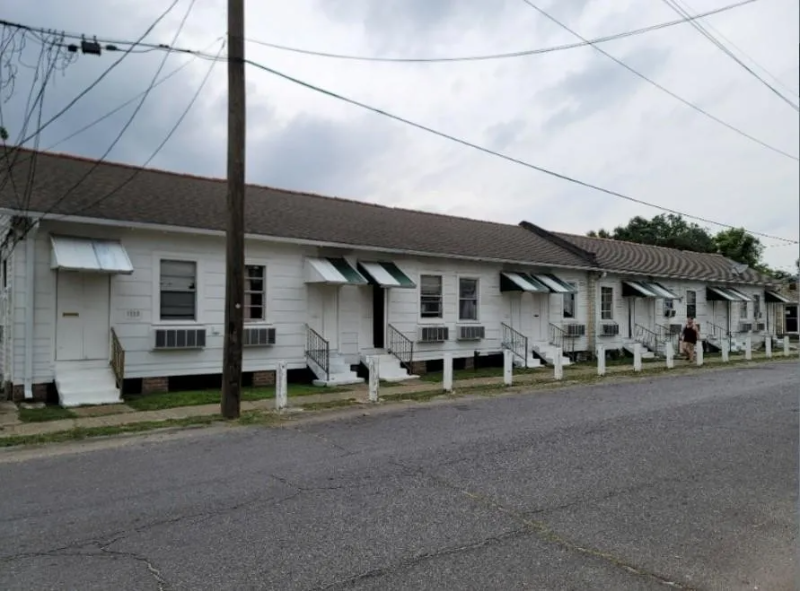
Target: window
x,y
756,306
606,303
743,310
467,299
5,273
669,308
178,290
691,304
569,302
255,293
430,296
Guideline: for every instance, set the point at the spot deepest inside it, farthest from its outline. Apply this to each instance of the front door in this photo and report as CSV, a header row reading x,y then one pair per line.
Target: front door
x,y
82,324
330,315
791,319
378,317
540,321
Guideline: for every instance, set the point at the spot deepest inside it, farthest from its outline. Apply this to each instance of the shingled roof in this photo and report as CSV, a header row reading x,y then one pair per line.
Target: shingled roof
x,y
166,198
658,261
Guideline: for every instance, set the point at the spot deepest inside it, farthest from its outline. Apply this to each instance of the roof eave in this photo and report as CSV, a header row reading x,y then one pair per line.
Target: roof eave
x,y
299,241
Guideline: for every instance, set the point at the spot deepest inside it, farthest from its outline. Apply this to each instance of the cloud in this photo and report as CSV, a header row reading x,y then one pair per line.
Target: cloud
x,y
574,112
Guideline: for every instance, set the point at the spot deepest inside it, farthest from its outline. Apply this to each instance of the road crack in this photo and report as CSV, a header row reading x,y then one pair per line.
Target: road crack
x,y
546,533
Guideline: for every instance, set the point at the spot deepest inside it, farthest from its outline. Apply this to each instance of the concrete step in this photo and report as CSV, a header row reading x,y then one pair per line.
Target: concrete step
x,y
83,384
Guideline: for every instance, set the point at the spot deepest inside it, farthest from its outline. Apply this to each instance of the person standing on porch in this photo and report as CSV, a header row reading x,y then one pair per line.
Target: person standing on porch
x,y
689,337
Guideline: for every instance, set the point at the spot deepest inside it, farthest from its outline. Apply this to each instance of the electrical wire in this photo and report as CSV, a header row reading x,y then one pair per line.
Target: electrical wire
x,y
496,56
660,87
105,73
117,109
155,152
674,6
135,111
491,152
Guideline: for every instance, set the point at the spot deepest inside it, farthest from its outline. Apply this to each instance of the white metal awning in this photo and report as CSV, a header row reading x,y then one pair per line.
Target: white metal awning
x,y
727,294
510,281
647,289
89,254
773,297
333,271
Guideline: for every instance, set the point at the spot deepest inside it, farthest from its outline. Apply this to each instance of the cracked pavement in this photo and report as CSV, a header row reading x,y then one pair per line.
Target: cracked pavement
x,y
683,482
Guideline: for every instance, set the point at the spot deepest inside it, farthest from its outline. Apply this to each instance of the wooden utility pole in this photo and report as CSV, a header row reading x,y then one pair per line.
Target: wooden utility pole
x,y
234,269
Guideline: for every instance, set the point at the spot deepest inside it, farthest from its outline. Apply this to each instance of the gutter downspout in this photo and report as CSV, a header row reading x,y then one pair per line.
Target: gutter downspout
x,y
30,286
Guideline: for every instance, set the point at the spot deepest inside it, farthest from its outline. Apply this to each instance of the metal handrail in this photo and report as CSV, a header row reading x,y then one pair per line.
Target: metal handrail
x,y
401,347
514,341
558,337
646,337
117,359
318,350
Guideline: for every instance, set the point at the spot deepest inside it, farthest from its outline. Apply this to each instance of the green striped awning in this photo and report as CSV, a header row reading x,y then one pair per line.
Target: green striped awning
x,y
385,274
333,271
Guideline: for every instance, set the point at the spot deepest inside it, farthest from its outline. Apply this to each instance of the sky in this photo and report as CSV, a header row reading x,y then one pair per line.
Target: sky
x,y
575,112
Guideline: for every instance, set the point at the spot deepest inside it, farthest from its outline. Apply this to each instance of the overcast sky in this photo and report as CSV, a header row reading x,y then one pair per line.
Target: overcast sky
x,y
574,111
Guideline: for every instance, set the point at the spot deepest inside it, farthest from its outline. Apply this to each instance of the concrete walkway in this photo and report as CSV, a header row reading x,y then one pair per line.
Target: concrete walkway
x,y
120,414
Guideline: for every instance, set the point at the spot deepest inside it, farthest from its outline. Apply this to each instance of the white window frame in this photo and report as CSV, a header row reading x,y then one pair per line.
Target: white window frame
x,y
744,310
694,294
440,317
263,265
611,309
477,298
574,298
199,289
758,311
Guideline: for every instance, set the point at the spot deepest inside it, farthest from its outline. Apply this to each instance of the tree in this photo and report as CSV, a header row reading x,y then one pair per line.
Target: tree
x,y
667,230
738,245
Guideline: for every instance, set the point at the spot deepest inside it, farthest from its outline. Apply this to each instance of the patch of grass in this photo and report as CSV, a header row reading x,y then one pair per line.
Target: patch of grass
x,y
47,413
162,400
472,374
331,404
80,433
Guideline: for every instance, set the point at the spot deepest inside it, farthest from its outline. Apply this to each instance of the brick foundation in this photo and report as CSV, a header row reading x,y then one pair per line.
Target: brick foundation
x,y
155,385
419,368
39,393
263,378
469,363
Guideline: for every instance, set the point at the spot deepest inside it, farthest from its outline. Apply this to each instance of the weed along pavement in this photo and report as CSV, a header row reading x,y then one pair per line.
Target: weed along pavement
x,y
38,424
685,479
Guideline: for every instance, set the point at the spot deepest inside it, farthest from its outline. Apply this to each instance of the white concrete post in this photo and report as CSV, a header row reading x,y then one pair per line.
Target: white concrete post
x,y
558,363
601,360
637,357
508,367
698,353
447,372
785,346
726,348
669,353
748,347
281,387
374,366
768,346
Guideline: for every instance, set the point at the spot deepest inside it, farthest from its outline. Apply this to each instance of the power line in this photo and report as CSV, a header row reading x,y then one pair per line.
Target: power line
x,y
674,6
135,111
659,86
102,75
155,152
469,144
495,56
121,106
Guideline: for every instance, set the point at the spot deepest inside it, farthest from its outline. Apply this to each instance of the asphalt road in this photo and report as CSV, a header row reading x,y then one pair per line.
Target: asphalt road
x,y
686,480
